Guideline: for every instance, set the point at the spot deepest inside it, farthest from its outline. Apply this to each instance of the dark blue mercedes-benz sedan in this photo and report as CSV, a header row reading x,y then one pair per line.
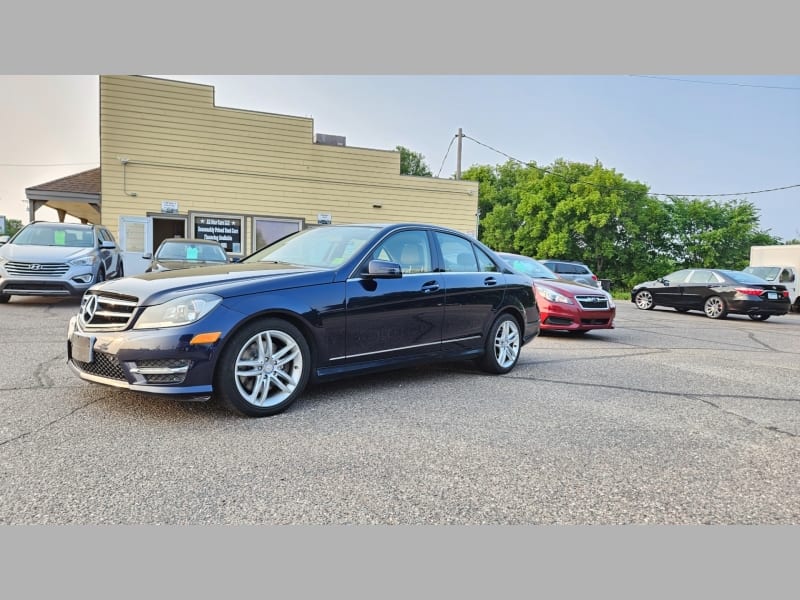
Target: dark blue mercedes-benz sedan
x,y
322,303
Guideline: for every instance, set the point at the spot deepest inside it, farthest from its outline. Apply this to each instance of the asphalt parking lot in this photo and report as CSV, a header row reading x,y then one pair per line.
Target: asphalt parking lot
x,y
669,418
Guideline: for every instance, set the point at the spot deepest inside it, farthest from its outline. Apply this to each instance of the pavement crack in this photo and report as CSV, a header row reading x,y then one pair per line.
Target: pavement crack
x,y
753,337
40,372
25,434
650,391
747,420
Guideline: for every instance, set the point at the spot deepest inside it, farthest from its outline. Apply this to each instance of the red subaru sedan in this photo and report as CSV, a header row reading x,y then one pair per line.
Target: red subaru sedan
x,y
565,305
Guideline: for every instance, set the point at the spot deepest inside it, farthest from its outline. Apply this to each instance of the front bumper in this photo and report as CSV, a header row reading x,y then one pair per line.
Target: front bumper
x,y
557,316
69,284
154,361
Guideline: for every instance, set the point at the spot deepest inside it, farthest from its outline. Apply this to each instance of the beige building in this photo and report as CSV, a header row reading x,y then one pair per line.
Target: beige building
x,y
173,163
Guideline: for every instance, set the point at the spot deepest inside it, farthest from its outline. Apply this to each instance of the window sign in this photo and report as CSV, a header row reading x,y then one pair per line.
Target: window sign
x,y
324,218
225,230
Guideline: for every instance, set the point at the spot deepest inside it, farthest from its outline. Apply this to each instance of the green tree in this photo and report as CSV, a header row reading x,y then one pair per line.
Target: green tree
x,y
412,163
708,233
12,226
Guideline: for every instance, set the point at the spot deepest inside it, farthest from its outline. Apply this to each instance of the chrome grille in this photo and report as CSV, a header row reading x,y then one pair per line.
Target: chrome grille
x,y
28,269
104,365
106,312
594,302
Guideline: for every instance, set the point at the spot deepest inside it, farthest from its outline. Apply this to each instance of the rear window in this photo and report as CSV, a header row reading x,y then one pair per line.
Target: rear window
x,y
741,277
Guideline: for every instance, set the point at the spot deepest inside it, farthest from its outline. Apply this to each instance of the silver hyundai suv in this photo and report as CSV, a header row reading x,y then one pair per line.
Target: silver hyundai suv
x,y
57,259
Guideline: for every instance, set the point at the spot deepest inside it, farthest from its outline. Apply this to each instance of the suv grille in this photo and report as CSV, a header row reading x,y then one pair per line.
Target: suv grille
x,y
26,269
593,302
106,312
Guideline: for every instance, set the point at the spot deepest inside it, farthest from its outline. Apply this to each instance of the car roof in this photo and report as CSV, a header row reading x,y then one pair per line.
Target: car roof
x,y
52,224
191,241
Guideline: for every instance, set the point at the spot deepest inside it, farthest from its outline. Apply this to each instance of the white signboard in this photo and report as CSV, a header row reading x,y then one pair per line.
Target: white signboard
x,y
169,206
324,218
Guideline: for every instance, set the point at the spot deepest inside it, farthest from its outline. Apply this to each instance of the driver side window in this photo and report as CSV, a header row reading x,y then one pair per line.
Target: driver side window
x,y
408,248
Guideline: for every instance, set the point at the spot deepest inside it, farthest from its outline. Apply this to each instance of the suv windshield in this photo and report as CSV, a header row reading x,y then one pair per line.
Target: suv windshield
x,y
48,235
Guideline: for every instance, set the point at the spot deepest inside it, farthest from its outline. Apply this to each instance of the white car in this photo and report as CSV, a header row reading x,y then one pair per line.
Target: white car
x,y
57,259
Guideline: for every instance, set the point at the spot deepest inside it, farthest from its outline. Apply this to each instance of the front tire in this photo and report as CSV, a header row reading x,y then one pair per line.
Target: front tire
x,y
120,270
101,275
263,368
644,300
4,298
715,308
502,347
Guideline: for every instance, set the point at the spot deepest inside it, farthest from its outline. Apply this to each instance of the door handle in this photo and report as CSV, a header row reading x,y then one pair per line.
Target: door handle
x,y
490,281
430,286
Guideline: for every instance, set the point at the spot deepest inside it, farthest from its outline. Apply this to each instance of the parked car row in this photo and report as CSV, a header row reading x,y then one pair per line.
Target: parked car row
x,y
325,303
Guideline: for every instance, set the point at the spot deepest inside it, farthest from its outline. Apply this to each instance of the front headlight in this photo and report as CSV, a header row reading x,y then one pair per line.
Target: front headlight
x,y
180,311
3,261
610,301
87,260
552,295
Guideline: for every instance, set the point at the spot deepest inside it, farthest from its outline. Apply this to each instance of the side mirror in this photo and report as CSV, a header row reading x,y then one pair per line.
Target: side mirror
x,y
107,245
148,256
663,280
383,269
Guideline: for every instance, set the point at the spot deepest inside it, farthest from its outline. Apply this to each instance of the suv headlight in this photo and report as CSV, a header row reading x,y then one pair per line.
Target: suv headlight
x,y
87,260
3,260
552,295
180,311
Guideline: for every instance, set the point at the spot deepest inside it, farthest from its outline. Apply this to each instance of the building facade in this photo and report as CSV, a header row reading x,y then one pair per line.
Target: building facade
x,y
175,164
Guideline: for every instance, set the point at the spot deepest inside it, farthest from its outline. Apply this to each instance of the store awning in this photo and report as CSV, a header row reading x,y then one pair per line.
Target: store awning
x,y
76,195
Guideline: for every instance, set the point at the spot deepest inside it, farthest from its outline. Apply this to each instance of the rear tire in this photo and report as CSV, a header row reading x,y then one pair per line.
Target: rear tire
x,y
263,368
644,300
758,316
502,347
715,308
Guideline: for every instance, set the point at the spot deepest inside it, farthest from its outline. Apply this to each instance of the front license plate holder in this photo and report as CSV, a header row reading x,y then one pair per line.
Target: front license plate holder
x,y
82,347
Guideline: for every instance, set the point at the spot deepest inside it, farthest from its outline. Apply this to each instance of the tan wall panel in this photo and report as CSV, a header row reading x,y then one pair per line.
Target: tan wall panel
x,y
224,160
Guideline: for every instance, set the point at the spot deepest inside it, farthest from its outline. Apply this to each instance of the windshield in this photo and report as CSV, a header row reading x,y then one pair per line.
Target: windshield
x,y
768,273
188,251
530,267
324,247
47,235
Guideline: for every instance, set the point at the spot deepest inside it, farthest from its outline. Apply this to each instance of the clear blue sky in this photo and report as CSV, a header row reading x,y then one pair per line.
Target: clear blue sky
x,y
678,137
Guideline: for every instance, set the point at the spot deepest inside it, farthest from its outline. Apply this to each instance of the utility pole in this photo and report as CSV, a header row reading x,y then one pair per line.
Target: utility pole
x,y
458,156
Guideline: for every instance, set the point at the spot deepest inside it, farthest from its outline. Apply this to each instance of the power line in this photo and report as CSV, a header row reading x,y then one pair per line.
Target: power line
x,y
94,162
730,83
445,155
549,172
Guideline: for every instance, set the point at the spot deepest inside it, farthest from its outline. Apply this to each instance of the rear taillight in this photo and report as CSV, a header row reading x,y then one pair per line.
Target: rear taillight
x,y
594,276
750,291
785,293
